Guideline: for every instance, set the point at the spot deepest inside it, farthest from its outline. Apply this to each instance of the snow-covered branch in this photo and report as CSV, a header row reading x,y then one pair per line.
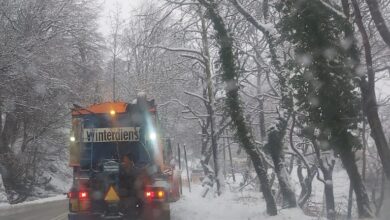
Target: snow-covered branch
x,y
320,178
185,50
265,28
187,107
201,61
293,146
197,96
333,9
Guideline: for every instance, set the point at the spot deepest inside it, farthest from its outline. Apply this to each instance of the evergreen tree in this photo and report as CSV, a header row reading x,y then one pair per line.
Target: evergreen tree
x,y
324,82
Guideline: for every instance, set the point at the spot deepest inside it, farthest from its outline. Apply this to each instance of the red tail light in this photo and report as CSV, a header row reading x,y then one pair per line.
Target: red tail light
x,y
83,195
149,194
154,194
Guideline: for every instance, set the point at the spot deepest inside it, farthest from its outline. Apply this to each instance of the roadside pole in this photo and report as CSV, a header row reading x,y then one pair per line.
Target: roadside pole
x,y
230,156
188,175
224,153
180,183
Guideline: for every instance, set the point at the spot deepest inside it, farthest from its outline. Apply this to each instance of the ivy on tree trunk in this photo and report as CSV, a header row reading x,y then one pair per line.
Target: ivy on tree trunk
x,y
230,77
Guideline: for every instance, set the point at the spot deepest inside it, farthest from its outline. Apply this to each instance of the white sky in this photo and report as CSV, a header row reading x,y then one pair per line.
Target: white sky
x,y
109,6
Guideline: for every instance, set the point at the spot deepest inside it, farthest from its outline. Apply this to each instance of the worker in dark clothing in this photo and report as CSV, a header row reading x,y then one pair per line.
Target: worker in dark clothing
x,y
127,163
127,179
127,174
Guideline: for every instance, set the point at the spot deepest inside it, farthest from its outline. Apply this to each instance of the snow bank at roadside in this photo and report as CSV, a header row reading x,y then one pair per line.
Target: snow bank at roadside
x,y
60,182
229,206
3,195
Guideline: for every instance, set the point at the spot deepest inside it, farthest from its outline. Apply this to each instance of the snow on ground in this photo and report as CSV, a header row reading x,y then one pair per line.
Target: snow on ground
x,y
247,205
340,190
385,212
3,196
229,206
340,187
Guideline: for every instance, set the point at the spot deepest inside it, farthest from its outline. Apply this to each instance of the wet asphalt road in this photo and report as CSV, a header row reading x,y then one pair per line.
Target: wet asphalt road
x,y
56,210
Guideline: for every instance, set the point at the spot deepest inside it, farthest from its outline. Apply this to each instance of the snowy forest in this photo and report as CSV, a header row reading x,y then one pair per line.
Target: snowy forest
x,y
284,103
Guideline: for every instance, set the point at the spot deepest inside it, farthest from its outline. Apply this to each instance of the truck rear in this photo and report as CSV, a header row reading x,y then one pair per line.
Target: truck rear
x,y
121,165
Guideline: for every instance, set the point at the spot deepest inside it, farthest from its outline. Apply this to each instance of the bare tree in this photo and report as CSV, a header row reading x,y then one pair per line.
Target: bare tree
x,y
116,24
379,21
369,96
49,58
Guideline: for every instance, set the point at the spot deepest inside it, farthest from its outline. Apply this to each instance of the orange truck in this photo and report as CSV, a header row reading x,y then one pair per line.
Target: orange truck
x,y
122,165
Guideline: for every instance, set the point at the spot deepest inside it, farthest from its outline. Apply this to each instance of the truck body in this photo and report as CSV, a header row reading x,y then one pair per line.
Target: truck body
x,y
121,163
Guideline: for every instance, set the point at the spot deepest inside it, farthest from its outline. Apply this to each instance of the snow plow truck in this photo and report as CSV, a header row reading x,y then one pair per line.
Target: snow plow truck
x,y
122,165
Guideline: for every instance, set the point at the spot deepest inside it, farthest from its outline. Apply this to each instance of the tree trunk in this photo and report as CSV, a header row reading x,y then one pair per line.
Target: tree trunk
x,y
275,148
350,201
326,168
329,195
230,156
3,194
210,104
206,154
301,181
379,203
286,101
264,184
311,171
362,200
205,149
306,184
7,157
8,133
230,77
291,166
377,133
369,97
380,23
364,165
289,200
214,147
261,106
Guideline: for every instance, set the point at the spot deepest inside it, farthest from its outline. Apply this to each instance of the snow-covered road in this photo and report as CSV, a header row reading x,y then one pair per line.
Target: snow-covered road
x,y
47,209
